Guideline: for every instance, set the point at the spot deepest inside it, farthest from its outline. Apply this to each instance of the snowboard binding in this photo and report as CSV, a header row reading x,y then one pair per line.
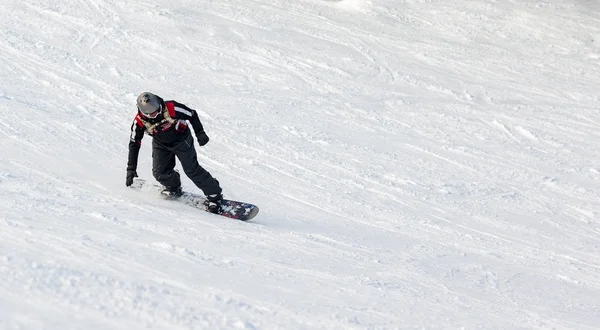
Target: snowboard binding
x,y
172,193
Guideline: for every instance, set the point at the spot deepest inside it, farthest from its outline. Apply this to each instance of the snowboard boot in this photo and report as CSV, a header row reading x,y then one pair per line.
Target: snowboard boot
x,y
213,203
172,193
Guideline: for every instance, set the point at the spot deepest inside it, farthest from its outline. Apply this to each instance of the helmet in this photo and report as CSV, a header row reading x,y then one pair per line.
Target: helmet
x,y
149,104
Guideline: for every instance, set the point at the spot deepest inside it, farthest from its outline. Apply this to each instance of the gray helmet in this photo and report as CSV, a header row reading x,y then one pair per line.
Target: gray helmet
x,y
148,103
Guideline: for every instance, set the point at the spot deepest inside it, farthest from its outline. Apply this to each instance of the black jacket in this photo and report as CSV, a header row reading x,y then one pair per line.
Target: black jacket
x,y
168,128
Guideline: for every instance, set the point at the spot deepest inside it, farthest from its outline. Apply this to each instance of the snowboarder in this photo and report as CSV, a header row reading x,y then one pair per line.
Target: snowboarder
x,y
167,122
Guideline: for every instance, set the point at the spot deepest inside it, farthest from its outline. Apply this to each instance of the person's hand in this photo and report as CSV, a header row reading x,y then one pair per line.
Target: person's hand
x,y
130,175
202,138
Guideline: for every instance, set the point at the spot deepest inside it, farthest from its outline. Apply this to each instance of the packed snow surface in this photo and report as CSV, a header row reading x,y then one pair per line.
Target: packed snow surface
x,y
418,164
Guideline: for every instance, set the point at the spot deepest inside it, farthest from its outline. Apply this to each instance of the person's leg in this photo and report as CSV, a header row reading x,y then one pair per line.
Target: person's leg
x,y
163,165
186,153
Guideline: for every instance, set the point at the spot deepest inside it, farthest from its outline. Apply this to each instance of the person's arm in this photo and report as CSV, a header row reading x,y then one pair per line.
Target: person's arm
x,y
135,142
184,112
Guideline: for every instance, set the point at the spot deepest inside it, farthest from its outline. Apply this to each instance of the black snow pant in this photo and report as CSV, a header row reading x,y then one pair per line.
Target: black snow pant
x,y
163,164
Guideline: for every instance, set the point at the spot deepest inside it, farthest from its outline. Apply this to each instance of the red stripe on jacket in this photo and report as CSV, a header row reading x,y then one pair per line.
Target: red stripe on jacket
x,y
171,108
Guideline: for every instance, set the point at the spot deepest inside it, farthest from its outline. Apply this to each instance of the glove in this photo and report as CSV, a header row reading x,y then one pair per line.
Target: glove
x,y
202,138
130,175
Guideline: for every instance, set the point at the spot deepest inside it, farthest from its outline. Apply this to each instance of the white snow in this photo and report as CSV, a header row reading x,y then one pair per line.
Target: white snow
x,y
418,164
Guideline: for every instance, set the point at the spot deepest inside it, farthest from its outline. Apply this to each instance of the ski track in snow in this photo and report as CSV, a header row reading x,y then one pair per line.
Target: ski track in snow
x,y
417,164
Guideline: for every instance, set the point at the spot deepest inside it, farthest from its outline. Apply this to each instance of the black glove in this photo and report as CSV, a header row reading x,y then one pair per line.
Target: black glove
x,y
202,138
130,175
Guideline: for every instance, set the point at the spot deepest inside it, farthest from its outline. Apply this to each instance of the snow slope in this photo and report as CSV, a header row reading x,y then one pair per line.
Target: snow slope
x,y
418,164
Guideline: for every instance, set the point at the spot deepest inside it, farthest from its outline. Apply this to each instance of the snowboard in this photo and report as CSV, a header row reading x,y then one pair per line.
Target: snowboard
x,y
229,208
